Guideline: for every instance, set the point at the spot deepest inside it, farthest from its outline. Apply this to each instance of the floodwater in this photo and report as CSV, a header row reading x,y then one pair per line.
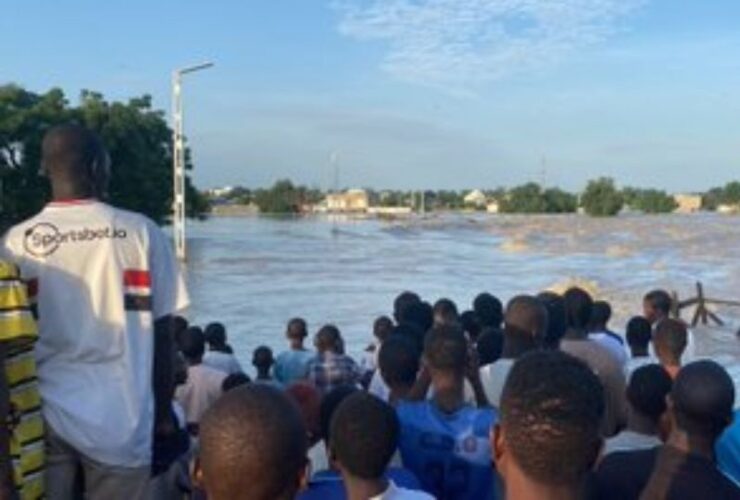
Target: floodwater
x,y
255,273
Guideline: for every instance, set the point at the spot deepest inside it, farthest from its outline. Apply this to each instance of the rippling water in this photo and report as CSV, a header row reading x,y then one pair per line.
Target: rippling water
x,y
255,273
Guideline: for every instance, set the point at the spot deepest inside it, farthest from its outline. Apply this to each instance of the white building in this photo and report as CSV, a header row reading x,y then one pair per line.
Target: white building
x,y
475,198
353,200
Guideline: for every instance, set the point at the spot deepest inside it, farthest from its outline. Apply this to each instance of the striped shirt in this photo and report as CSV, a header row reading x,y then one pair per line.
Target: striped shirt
x,y
18,332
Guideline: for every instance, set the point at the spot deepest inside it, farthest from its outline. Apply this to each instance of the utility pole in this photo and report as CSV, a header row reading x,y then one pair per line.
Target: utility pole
x,y
178,158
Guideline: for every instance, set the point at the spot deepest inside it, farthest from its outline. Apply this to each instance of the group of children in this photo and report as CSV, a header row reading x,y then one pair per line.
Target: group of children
x,y
560,405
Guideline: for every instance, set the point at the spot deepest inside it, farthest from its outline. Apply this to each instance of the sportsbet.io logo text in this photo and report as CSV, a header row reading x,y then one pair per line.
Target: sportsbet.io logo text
x,y
45,238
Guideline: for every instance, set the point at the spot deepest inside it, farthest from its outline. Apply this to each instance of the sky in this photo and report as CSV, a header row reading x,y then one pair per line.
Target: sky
x,y
412,94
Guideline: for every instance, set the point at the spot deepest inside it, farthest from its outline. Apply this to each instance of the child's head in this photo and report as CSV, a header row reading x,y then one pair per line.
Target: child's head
x,y
670,339
296,331
252,446
364,436
639,334
262,359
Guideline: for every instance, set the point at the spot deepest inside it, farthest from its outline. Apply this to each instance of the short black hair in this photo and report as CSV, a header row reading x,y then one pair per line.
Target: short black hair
x,y
469,323
215,334
639,332
329,404
556,326
446,349
703,397
364,435
329,336
489,346
447,310
659,300
262,357
70,150
234,380
297,328
525,324
578,308
601,313
411,333
252,439
670,340
401,302
489,310
398,362
647,390
193,343
382,328
419,314
551,410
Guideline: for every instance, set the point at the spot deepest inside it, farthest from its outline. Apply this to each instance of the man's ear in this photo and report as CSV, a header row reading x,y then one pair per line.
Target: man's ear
x,y
498,446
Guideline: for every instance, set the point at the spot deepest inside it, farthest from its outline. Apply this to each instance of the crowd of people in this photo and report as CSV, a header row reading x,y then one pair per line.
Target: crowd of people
x,y
107,392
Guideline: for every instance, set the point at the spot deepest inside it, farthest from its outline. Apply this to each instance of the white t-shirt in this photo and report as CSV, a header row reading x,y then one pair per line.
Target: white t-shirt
x,y
101,277
201,390
634,363
493,378
615,347
397,493
630,441
222,361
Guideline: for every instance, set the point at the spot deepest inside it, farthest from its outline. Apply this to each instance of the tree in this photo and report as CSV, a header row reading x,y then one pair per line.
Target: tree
x,y
602,198
282,198
729,194
137,137
531,199
649,201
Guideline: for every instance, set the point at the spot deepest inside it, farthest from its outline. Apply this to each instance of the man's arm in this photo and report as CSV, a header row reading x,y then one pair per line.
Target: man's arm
x,y
473,376
163,375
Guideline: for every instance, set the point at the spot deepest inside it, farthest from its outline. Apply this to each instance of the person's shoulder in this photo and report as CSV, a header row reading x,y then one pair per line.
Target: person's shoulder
x,y
412,409
623,461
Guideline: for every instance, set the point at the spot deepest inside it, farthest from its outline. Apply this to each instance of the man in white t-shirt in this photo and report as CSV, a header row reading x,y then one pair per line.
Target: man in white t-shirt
x,y
220,355
106,284
525,324
204,385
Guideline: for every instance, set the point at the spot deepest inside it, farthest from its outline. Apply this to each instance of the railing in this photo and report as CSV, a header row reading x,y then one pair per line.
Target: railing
x,y
702,312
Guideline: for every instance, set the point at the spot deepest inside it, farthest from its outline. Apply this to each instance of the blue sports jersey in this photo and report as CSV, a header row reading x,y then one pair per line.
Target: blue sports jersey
x,y
449,453
328,485
728,450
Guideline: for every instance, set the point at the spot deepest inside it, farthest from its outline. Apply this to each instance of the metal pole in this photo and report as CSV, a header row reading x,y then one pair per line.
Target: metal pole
x,y
178,173
178,159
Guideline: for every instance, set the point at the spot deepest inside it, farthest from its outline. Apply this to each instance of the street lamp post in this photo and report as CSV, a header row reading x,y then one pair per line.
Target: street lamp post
x,y
178,158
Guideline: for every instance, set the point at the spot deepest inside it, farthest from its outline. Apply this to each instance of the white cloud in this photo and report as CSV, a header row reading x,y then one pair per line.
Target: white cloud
x,y
459,45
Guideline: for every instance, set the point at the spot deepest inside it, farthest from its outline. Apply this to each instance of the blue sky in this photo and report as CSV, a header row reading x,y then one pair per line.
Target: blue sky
x,y
412,93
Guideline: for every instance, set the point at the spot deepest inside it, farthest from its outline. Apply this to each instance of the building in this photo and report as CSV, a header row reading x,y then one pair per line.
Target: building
x,y
475,198
493,207
687,203
353,200
220,192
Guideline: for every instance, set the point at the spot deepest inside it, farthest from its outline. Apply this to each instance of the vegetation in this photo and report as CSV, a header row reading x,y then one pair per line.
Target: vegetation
x,y
602,198
137,136
649,201
282,198
727,195
532,199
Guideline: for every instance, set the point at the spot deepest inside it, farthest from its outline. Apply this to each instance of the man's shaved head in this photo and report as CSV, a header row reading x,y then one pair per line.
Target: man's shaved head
x,y
252,445
703,397
75,155
525,325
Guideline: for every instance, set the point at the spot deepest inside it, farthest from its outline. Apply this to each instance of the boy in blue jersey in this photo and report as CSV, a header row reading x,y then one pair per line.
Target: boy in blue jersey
x,y
444,441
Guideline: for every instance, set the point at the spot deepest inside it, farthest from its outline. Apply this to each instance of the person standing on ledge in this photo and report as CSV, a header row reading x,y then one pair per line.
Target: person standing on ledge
x,y
107,286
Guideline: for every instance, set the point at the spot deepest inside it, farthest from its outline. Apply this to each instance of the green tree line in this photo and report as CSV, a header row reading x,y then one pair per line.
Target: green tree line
x,y
137,137
601,198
